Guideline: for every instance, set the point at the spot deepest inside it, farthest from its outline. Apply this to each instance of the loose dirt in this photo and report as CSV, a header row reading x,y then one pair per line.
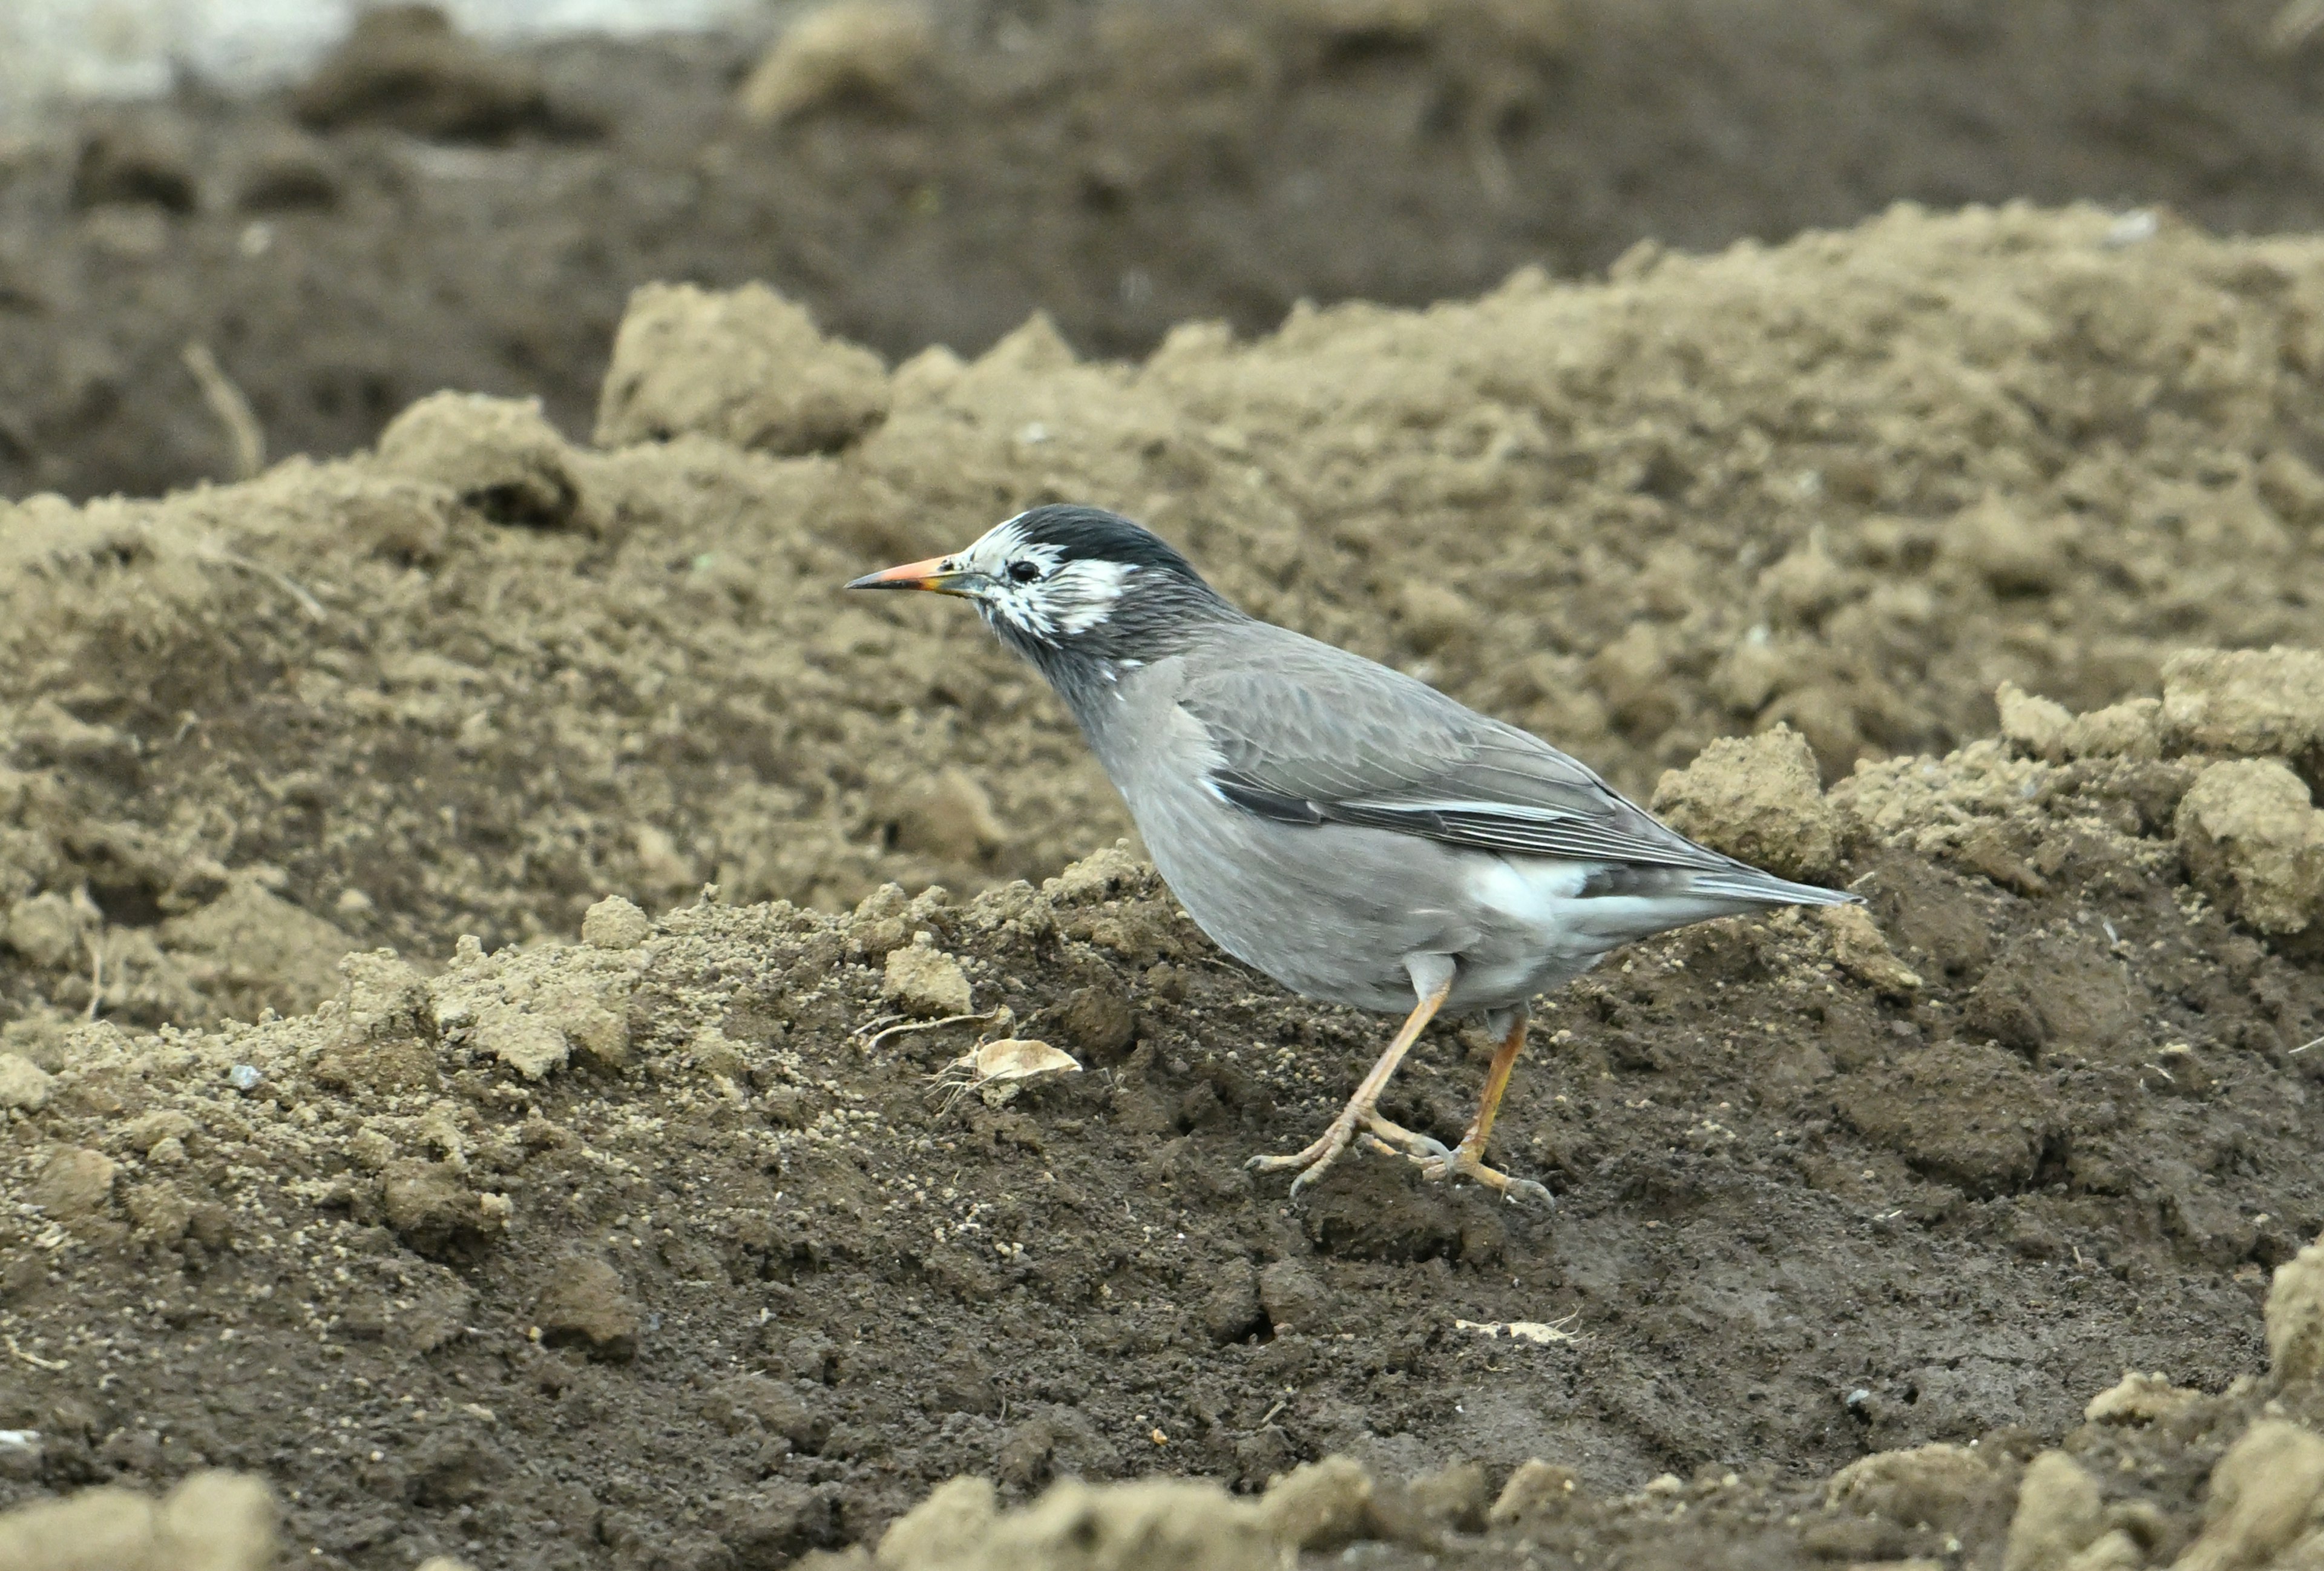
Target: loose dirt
x,y
652,1249
422,214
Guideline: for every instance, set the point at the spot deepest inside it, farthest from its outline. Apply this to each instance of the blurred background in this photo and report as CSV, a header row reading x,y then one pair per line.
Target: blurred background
x,y
342,208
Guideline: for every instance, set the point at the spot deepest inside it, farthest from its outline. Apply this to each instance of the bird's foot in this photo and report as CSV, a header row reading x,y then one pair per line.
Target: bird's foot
x,y
1391,1138
1467,1163
1382,1134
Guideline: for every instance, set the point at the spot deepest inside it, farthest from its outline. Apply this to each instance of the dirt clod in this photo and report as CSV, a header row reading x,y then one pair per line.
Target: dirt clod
x,y
2295,1317
2058,1515
588,1307
24,1084
1536,1491
75,1183
870,50
2261,1494
613,923
1292,1298
435,1213
926,981
1320,1506
1758,799
1948,1488
2139,1399
212,1521
496,454
1149,1526
2255,843
2255,703
747,366
1860,950
404,66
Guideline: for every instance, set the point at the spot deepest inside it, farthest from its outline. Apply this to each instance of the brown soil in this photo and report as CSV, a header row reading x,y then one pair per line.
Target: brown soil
x,y
652,1251
423,216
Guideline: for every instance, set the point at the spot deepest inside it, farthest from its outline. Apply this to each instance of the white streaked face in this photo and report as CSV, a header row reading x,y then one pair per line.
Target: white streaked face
x,y
1036,589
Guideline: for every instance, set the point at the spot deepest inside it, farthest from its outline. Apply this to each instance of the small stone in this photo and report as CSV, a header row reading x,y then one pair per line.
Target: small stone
x,y
925,981
2059,1513
244,1077
24,1084
613,923
1319,1506
588,1307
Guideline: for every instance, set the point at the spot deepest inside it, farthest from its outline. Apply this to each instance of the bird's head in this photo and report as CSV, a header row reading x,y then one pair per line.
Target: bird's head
x,y
1069,582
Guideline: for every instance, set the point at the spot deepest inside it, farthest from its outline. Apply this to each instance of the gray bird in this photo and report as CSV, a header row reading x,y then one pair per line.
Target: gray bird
x,y
1348,830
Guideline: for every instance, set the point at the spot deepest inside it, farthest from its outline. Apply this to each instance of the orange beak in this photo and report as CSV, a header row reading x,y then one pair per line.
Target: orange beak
x,y
935,574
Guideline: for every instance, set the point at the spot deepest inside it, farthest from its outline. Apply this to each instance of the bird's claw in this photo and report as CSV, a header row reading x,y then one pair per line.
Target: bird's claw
x,y
1383,1135
1466,1163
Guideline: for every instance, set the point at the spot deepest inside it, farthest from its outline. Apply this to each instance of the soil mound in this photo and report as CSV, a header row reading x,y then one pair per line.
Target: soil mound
x,y
423,213
721,1238
726,1184
474,680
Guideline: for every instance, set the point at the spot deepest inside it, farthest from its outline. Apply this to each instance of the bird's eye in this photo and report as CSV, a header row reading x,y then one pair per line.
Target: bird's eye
x,y
1023,572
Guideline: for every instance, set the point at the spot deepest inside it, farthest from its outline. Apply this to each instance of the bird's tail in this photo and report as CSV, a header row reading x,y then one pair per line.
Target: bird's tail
x,y
1754,887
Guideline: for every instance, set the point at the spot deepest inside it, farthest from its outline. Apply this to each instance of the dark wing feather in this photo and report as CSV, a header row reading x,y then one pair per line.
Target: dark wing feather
x,y
1308,734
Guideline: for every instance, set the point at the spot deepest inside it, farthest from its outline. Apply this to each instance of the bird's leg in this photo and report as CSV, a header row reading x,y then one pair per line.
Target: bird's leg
x,y
1314,1162
1468,1157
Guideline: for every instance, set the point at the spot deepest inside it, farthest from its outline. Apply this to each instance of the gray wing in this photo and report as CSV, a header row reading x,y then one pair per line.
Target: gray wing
x,y
1308,734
